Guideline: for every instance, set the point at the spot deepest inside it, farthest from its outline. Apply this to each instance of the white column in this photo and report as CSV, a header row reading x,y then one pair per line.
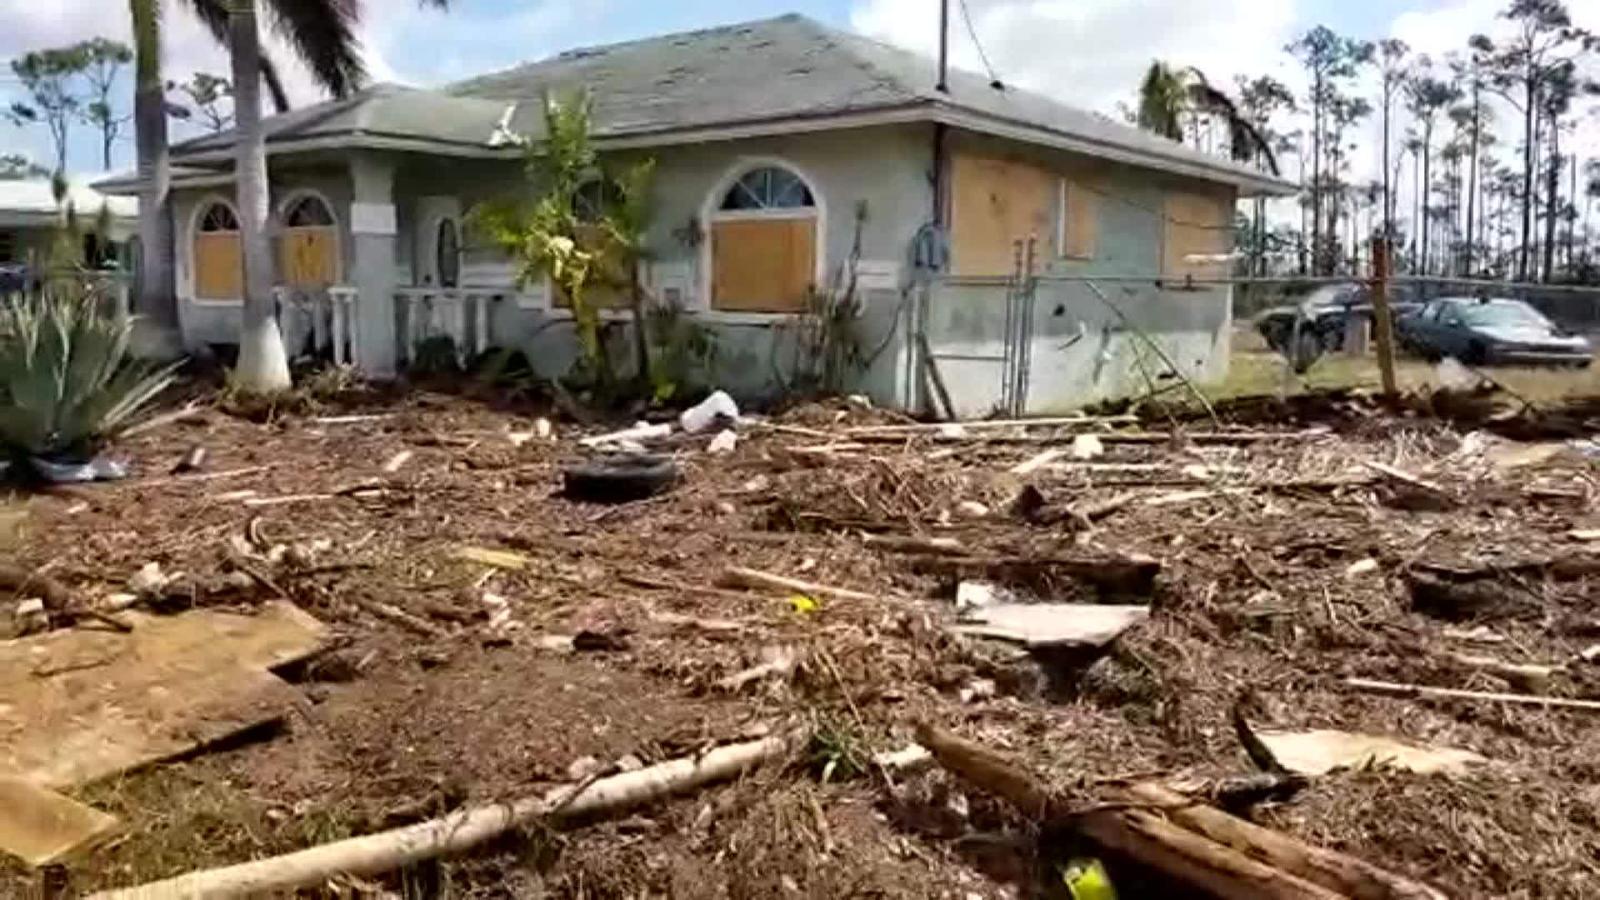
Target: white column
x,y
374,237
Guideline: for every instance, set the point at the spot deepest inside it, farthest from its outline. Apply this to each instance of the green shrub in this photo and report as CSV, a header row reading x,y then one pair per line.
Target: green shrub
x,y
67,385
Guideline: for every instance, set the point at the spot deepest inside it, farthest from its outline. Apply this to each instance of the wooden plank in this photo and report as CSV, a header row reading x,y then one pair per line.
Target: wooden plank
x,y
308,256
1081,236
218,266
82,704
763,264
994,203
1196,224
1054,624
41,827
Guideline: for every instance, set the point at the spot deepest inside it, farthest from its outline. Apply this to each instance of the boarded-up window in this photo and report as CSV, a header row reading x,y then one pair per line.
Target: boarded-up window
x,y
218,256
763,265
308,251
764,243
994,204
1080,220
1197,236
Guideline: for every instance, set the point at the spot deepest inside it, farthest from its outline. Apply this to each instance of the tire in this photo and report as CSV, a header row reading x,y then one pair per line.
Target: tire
x,y
619,479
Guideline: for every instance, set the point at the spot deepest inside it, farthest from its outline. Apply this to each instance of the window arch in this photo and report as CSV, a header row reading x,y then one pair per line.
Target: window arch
x,y
594,198
765,222
768,187
217,253
308,246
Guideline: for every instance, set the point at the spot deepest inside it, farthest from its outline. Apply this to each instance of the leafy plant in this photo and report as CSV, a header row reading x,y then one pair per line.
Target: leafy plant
x,y
67,384
683,350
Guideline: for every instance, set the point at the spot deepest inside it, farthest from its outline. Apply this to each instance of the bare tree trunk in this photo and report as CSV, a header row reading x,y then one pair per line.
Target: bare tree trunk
x,y
1552,198
1388,187
1316,176
263,365
1472,189
155,333
1426,188
1529,149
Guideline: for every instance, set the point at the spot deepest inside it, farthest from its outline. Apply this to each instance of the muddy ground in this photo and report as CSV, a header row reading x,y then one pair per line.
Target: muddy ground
x,y
1262,601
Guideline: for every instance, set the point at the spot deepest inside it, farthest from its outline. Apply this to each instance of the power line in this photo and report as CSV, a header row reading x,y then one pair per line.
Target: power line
x,y
966,16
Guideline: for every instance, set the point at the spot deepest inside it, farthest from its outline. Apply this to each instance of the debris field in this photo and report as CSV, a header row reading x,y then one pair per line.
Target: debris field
x,y
1389,614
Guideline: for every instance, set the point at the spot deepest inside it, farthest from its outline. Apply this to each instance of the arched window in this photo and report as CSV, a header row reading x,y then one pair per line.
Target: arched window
x,y
765,232
595,198
608,286
768,187
308,248
447,253
218,256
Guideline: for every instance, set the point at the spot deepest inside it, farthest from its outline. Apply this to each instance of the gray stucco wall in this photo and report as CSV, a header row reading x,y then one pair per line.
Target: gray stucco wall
x,y
1080,351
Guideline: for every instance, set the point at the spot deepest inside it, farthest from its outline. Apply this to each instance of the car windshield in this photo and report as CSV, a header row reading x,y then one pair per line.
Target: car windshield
x,y
1502,314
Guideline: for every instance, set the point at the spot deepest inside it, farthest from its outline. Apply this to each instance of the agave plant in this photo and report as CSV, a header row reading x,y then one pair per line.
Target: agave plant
x,y
67,384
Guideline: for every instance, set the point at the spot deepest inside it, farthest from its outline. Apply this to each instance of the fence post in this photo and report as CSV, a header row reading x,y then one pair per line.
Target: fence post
x,y
1383,321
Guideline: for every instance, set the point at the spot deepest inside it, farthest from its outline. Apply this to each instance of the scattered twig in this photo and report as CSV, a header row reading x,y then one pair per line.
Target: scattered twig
x,y
736,576
1419,691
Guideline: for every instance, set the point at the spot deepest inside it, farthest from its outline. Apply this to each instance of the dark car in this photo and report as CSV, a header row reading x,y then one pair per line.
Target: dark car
x,y
1320,322
1481,330
13,278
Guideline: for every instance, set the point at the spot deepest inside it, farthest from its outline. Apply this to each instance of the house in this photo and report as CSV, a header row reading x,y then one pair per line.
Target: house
x,y
31,219
785,152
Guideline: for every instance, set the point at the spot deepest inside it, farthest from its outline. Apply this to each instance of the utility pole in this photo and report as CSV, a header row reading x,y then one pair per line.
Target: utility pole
x,y
943,86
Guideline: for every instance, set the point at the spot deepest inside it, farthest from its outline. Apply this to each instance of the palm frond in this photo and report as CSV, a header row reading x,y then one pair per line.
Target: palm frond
x,y
323,35
213,14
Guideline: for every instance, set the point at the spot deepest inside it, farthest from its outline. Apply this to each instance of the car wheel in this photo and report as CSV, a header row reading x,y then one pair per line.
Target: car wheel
x,y
619,479
1477,354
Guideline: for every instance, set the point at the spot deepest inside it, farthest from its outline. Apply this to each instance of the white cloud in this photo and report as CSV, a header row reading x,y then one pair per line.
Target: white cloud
x,y
1093,53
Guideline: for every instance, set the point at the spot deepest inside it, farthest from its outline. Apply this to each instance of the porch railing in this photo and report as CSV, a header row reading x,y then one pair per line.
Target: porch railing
x,y
464,315
330,316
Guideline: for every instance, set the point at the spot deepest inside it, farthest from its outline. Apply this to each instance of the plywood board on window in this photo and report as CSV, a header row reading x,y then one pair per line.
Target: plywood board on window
x,y
1080,237
995,203
308,257
763,265
1196,225
218,266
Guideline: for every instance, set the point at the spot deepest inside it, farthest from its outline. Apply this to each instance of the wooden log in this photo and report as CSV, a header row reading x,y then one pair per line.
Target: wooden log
x,y
911,544
1140,835
1415,691
737,576
1337,872
388,850
1530,677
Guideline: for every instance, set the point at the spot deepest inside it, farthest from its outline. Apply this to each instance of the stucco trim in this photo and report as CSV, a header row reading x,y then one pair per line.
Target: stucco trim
x,y
200,206
710,213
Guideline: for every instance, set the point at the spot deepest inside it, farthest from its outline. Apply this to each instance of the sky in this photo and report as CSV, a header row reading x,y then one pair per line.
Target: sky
x,y
1091,53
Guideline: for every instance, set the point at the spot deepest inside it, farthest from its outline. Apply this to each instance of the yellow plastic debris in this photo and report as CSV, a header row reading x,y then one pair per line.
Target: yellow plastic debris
x,y
803,604
1087,880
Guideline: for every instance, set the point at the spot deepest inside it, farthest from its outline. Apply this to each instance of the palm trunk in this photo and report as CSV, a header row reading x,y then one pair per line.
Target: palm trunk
x,y
155,334
1316,176
263,365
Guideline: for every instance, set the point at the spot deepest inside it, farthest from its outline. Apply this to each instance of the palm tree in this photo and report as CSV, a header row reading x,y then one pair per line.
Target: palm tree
x,y
156,331
1167,95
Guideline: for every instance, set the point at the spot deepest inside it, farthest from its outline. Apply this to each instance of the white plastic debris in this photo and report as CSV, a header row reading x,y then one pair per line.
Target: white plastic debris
x,y
724,442
950,431
1361,567
859,401
149,580
542,428
642,431
704,414
31,616
97,469
1087,446
972,509
972,595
